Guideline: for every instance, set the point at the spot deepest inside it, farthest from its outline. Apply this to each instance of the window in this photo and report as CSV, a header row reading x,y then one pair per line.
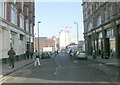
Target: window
x,y
13,15
105,14
21,37
21,21
31,28
27,25
3,10
27,11
0,8
99,20
90,26
110,11
100,35
22,5
14,1
110,32
97,5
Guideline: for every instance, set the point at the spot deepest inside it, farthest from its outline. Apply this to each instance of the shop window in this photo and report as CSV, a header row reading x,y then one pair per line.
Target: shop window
x,y
110,33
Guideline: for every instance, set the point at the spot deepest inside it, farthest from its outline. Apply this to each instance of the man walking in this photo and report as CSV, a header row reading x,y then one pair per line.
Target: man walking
x,y
27,54
11,58
37,58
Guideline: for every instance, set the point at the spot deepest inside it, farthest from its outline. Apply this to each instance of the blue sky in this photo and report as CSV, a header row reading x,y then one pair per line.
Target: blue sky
x,y
56,16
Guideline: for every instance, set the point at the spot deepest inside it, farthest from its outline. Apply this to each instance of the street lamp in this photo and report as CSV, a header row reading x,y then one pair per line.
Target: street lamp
x,y
38,35
77,31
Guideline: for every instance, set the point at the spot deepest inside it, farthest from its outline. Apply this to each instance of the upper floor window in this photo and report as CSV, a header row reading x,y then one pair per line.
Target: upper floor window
x,y
110,11
13,15
27,25
97,5
0,8
90,26
3,9
99,20
14,1
21,21
27,11
22,4
105,14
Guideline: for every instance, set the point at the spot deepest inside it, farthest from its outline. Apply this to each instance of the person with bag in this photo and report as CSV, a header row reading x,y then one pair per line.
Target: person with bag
x,y
37,58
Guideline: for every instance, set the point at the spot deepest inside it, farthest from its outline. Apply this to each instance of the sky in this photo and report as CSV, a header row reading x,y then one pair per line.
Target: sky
x,y
56,16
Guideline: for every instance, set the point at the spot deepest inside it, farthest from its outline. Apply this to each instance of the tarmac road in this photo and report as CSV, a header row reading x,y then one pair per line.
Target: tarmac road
x,y
61,69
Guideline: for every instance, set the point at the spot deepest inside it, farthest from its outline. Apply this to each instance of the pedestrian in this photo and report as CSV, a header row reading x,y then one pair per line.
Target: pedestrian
x,y
57,52
102,54
27,54
94,54
37,58
11,58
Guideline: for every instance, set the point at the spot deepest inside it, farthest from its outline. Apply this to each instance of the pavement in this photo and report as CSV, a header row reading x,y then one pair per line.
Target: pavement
x,y
19,64
111,61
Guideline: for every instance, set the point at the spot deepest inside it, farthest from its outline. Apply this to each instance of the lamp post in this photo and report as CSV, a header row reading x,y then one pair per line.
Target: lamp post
x,y
77,31
38,36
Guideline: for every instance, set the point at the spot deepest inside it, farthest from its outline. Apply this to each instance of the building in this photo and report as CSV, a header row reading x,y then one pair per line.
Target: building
x,y
63,38
16,26
45,42
102,27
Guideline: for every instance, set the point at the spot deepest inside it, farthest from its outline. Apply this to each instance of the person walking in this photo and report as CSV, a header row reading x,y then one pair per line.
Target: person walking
x,y
11,58
27,54
37,58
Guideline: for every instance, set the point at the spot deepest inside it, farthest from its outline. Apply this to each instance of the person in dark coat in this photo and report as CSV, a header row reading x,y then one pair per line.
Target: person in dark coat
x,y
11,58
27,54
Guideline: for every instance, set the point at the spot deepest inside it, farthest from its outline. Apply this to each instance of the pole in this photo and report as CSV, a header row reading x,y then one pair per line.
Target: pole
x,y
77,34
77,31
38,36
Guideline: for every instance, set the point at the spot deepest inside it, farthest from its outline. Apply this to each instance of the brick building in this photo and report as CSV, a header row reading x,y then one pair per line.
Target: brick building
x,y
46,42
102,27
17,21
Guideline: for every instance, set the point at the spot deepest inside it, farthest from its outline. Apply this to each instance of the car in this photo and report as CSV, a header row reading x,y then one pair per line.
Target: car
x,y
82,55
45,55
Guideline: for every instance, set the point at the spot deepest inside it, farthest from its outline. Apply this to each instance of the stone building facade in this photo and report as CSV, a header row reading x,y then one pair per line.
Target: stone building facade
x,y
102,28
17,21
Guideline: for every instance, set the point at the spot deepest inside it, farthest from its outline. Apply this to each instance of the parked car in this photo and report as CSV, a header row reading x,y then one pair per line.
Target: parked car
x,y
82,55
45,55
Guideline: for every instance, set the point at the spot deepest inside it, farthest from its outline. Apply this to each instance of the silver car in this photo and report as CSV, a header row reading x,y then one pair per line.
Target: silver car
x,y
81,55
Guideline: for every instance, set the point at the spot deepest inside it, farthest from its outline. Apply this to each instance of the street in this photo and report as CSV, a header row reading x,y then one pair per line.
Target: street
x,y
61,69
